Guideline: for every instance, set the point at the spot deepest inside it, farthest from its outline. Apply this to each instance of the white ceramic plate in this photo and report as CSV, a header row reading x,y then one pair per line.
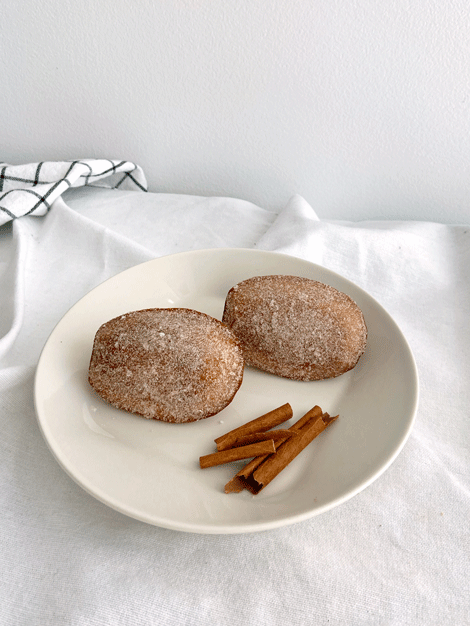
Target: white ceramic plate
x,y
149,470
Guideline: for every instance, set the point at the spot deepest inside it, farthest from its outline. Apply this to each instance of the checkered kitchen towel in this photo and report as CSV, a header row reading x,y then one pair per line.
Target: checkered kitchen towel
x,y
32,188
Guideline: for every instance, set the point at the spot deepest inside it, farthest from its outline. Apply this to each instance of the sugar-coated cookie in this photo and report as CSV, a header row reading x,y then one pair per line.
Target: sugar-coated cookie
x,y
174,365
296,327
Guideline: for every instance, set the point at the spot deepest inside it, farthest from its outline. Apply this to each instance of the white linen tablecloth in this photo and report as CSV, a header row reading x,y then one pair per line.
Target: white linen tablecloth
x,y
397,553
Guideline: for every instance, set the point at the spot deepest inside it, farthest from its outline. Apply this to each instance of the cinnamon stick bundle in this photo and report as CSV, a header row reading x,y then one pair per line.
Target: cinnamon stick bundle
x,y
260,424
275,463
307,428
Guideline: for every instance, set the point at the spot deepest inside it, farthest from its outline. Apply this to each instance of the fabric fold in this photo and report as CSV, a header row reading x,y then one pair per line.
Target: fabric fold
x,y
12,285
68,256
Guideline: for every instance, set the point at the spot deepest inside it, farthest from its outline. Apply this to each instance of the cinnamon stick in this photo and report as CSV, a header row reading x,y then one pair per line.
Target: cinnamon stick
x,y
281,434
286,452
235,454
303,421
260,424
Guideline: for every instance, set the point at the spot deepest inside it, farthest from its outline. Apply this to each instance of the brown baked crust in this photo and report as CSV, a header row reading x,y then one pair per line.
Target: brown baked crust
x,y
296,327
174,365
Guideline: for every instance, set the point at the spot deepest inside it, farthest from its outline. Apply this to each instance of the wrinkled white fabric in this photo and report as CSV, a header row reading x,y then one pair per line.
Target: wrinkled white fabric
x,y
397,553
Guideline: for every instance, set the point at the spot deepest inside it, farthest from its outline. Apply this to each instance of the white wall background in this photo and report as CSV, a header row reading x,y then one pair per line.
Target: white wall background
x,y
360,106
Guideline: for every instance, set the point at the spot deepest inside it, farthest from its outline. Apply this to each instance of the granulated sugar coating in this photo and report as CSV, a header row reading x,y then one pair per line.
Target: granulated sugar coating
x,y
174,365
296,327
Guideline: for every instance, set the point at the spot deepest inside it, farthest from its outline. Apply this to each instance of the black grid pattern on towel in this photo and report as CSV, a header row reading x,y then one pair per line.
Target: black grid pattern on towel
x,y
31,189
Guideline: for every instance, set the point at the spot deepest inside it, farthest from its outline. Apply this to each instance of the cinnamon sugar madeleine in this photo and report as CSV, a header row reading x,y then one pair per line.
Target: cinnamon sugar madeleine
x,y
296,327
174,365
